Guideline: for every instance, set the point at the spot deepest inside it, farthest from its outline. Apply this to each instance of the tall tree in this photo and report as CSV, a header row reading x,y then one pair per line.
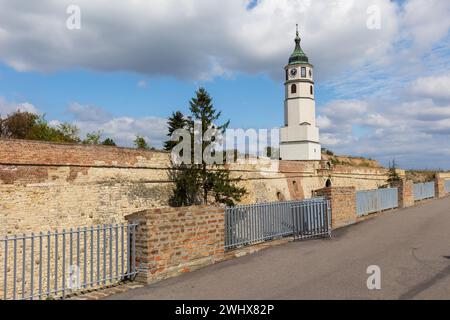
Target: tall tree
x,y
393,175
92,138
140,143
205,180
175,122
109,142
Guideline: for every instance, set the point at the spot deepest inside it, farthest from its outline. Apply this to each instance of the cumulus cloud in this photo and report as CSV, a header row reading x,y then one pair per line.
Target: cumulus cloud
x,y
435,87
169,37
7,107
122,130
416,133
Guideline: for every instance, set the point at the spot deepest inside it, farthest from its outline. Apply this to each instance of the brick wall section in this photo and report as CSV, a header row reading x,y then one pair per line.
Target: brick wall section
x,y
25,152
405,193
171,241
47,186
343,205
440,186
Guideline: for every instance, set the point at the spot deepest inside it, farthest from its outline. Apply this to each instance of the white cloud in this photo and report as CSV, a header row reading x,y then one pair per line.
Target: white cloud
x,y
416,133
192,38
435,87
142,84
122,130
7,107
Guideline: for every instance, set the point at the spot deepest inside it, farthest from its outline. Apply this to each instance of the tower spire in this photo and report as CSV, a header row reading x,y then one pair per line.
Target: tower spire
x,y
298,56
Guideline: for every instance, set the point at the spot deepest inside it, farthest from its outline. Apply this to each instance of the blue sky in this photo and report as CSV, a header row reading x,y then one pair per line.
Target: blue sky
x,y
382,93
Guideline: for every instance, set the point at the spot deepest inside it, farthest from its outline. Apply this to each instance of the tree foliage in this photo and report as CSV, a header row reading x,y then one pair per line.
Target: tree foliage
x,y
109,142
175,122
203,183
393,175
27,125
140,143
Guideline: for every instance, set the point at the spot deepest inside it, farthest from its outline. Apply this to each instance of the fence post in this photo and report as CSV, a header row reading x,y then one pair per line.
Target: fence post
x,y
405,193
343,205
171,241
440,186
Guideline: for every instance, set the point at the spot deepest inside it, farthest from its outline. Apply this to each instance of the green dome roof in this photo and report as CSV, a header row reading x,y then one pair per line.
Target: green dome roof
x,y
298,56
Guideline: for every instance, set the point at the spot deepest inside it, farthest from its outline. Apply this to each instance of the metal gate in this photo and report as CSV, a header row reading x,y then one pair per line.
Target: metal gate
x,y
249,224
55,264
312,219
379,200
424,191
447,186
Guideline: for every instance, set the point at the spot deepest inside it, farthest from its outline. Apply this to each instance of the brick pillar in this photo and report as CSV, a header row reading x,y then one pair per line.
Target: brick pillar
x,y
440,186
171,241
405,193
343,204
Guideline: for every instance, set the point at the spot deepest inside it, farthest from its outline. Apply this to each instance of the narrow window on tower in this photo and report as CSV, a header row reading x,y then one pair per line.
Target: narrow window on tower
x,y
287,77
311,89
293,89
303,72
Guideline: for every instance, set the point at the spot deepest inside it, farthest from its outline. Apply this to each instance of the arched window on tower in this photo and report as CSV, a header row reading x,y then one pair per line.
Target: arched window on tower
x,y
311,90
294,89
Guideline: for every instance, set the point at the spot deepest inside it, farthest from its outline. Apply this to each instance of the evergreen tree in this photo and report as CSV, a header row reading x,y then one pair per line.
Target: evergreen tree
x,y
140,143
109,142
176,121
92,138
196,183
393,175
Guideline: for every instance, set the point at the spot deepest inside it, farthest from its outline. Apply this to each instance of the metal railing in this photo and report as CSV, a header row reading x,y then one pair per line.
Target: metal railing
x,y
54,264
312,219
424,191
379,200
249,224
447,186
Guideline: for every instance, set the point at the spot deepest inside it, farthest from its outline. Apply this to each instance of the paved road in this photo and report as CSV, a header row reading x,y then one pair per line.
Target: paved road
x,y
411,246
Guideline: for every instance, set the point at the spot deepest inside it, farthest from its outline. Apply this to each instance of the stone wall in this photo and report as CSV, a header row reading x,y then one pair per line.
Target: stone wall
x,y
45,186
170,241
343,205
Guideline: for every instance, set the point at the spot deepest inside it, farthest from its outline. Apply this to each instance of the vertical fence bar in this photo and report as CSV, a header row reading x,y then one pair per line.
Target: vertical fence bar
x,y
56,263
32,267
117,250
15,267
104,254
85,257
5,273
133,257
48,263
91,282
63,284
122,251
24,244
98,255
110,253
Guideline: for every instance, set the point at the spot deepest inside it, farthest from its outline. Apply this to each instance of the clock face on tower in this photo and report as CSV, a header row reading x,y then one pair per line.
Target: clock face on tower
x,y
293,72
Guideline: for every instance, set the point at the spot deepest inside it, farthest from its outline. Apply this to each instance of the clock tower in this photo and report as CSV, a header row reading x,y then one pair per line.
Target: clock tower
x,y
299,138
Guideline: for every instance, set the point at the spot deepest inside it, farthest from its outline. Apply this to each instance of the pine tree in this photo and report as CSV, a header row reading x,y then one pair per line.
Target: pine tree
x,y
109,142
140,143
196,183
175,122
393,176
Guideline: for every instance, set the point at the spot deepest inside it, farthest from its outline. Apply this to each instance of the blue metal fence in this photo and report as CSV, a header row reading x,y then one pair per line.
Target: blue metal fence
x,y
56,264
424,191
249,224
372,201
447,186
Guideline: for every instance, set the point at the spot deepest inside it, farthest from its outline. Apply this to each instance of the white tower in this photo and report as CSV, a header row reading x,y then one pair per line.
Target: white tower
x,y
299,138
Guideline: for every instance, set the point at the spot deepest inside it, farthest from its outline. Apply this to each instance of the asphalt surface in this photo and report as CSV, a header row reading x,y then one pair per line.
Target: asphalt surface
x,y
411,246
